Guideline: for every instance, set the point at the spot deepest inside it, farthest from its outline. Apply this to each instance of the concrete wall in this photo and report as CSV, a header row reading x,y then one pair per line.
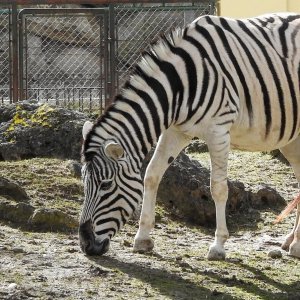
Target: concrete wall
x,y
250,8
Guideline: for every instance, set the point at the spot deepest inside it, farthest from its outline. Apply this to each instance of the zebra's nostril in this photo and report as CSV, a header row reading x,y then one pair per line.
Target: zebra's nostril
x,y
96,248
86,236
88,243
101,248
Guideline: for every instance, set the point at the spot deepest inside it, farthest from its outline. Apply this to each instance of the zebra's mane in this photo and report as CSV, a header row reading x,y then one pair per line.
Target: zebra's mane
x,y
162,45
158,50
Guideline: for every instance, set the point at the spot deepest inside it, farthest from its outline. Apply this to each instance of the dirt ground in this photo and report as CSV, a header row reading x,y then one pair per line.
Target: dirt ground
x,y
50,265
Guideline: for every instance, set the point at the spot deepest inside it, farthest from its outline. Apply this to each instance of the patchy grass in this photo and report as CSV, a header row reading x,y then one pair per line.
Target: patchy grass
x,y
253,168
51,265
47,182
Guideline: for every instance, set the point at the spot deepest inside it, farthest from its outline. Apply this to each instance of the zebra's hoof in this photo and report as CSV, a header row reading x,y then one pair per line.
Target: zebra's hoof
x,y
142,246
288,240
295,249
216,253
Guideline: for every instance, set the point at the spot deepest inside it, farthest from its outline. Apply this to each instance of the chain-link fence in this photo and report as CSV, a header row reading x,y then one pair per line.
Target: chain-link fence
x,y
138,25
5,55
80,57
62,57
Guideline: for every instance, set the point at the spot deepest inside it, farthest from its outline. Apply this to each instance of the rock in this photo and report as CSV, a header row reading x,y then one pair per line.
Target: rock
x,y
12,190
53,219
17,250
12,287
278,155
265,196
275,253
18,213
74,167
215,293
196,146
98,271
185,192
39,130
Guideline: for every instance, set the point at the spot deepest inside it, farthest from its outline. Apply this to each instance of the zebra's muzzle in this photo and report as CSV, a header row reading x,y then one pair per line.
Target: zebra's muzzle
x,y
88,243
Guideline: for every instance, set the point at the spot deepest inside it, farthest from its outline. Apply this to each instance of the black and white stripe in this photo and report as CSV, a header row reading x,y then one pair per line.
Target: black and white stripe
x,y
222,80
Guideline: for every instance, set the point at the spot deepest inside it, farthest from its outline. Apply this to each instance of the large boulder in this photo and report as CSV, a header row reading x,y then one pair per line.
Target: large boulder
x,y
185,192
39,130
12,190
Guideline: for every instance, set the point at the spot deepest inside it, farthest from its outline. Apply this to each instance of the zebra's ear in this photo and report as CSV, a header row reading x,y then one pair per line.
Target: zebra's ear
x,y
114,150
87,127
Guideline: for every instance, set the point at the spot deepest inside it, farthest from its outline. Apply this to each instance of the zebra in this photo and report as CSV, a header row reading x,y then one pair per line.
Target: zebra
x,y
229,82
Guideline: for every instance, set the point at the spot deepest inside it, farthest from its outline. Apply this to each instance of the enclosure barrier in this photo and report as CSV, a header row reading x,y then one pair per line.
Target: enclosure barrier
x,y
5,55
80,57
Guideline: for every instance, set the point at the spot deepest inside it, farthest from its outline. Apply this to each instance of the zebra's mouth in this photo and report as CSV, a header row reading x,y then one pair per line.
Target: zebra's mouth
x,y
88,243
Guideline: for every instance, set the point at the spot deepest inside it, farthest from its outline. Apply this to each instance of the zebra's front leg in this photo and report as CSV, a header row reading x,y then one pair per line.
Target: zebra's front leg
x,y
219,149
142,241
168,147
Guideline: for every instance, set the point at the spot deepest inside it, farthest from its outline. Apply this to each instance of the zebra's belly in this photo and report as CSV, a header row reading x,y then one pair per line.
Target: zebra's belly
x,y
255,140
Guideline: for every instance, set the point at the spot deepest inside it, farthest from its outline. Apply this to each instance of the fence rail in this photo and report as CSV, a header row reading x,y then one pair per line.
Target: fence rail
x,y
80,57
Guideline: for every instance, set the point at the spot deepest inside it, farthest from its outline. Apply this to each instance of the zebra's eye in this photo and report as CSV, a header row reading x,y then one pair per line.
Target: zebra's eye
x,y
105,184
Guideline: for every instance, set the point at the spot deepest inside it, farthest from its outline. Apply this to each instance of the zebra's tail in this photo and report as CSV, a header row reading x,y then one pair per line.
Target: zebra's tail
x,y
288,209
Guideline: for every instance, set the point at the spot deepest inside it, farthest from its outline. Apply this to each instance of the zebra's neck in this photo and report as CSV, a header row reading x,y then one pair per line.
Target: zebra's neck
x,y
149,102
132,125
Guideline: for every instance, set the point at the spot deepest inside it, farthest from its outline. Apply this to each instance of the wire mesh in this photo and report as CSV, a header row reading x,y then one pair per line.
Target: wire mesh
x,y
138,25
66,56
63,58
5,74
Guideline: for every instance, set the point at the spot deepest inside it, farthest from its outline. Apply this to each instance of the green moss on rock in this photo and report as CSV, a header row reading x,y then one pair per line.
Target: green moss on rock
x,y
25,118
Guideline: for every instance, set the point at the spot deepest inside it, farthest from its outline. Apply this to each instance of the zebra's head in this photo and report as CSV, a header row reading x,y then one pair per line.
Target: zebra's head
x,y
112,192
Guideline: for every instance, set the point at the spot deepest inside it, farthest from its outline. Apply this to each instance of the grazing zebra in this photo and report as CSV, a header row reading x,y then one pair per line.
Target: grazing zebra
x,y
228,82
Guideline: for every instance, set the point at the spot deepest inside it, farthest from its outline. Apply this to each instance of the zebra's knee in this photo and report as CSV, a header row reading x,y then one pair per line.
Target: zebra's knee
x,y
219,190
151,182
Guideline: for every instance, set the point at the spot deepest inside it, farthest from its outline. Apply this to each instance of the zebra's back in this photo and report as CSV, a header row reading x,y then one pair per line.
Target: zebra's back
x,y
256,63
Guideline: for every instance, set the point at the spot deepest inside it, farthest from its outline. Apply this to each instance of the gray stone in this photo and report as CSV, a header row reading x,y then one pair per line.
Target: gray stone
x,y
196,146
17,250
18,213
35,130
53,219
12,287
12,190
275,253
185,192
263,195
278,155
74,167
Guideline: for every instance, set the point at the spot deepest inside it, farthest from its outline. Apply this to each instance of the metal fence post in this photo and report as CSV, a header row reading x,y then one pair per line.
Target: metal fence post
x,y
212,7
112,55
14,51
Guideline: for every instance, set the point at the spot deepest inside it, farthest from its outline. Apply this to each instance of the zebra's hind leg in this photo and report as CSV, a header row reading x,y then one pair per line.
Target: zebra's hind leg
x,y
219,145
170,144
292,240
294,249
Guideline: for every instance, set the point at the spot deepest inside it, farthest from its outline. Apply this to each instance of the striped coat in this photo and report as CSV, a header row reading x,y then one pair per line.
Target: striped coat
x,y
232,83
